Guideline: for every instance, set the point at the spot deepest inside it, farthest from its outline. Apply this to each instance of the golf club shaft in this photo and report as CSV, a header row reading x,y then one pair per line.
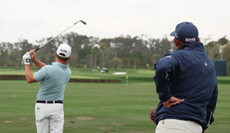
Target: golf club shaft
x,y
59,34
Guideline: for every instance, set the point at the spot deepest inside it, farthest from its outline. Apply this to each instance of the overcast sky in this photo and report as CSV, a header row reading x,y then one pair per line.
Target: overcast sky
x,y
37,19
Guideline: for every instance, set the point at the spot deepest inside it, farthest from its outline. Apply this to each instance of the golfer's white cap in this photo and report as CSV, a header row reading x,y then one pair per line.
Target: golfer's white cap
x,y
64,51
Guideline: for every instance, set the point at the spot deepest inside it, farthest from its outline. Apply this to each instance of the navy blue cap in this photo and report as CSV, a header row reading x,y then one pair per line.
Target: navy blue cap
x,y
186,32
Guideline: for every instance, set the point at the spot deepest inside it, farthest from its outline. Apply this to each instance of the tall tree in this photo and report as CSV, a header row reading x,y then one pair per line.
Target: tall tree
x,y
166,45
105,52
46,54
222,41
25,46
127,59
95,54
226,56
76,42
155,57
4,58
209,49
15,58
116,62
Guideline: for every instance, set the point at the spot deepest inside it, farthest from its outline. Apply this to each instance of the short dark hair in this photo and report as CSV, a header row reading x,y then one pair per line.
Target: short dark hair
x,y
62,59
182,43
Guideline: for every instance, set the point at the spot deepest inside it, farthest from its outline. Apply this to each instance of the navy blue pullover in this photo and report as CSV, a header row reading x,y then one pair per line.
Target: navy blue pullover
x,y
188,74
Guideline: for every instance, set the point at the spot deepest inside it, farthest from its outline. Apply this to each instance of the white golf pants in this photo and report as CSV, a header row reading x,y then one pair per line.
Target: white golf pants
x,y
49,117
177,126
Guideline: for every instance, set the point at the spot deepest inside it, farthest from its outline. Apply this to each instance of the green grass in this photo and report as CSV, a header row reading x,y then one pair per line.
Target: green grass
x,y
112,107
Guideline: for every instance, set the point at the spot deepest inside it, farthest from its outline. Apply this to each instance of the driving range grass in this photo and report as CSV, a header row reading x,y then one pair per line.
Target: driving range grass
x,y
98,107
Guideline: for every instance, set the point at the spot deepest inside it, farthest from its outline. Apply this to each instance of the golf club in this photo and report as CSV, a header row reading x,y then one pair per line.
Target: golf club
x,y
60,34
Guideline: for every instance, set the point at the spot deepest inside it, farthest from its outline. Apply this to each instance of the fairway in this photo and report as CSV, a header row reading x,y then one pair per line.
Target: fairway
x,y
99,107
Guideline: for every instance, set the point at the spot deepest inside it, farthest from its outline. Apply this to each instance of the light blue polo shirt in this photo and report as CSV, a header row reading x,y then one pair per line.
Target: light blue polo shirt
x,y
53,80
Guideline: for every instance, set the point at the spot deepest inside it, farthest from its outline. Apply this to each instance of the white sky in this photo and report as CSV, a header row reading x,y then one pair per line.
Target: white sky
x,y
37,19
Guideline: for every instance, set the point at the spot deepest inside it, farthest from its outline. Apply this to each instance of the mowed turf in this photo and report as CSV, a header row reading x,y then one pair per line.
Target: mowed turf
x,y
98,107
109,107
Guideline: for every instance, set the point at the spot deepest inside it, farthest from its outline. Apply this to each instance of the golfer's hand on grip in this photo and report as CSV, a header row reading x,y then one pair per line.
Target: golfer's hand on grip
x,y
32,54
26,58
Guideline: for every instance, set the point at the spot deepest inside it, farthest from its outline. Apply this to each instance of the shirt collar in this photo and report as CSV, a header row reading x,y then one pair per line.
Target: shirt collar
x,y
59,64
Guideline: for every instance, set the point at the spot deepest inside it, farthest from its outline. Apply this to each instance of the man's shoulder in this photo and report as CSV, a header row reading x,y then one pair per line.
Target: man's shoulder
x,y
171,55
168,58
47,67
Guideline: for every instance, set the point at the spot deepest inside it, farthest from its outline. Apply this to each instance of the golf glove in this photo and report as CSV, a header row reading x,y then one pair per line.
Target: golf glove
x,y
26,58
153,115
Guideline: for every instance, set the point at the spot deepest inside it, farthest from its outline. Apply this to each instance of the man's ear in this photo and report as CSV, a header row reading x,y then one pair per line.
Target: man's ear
x,y
176,43
198,39
68,58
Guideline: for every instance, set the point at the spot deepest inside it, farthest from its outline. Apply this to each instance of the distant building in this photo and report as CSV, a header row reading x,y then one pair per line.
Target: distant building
x,y
220,67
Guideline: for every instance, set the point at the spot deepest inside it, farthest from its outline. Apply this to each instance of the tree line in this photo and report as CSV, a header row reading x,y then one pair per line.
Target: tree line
x,y
219,50
119,52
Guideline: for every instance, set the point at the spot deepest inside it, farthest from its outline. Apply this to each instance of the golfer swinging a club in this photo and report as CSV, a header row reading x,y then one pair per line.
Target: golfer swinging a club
x,y
186,84
54,78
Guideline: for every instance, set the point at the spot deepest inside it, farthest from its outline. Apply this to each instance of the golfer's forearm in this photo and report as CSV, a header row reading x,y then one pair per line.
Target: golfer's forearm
x,y
29,75
38,63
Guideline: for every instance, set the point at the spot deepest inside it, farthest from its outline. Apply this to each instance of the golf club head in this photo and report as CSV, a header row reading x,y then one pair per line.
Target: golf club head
x,y
83,22
80,21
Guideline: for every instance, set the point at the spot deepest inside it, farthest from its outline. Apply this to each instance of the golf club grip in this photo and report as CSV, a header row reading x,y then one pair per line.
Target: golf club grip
x,y
36,49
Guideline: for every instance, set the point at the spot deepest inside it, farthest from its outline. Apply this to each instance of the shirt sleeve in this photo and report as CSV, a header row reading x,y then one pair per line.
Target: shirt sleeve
x,y
164,69
211,107
40,74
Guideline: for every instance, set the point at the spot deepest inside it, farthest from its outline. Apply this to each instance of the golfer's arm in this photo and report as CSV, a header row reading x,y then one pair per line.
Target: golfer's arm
x,y
164,68
29,75
38,63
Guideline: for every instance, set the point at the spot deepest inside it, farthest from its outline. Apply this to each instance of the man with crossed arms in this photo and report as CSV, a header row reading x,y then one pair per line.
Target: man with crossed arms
x,y
54,78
